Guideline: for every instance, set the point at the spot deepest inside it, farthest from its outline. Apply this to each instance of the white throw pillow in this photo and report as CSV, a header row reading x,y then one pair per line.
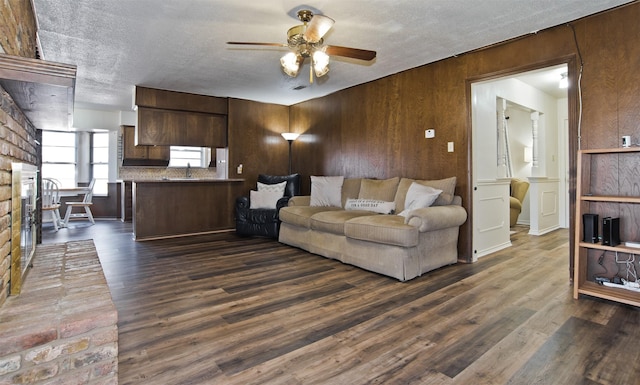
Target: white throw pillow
x,y
374,205
264,199
419,196
326,191
278,187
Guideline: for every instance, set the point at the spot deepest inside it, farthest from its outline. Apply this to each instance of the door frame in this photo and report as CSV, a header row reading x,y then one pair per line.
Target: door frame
x,y
574,132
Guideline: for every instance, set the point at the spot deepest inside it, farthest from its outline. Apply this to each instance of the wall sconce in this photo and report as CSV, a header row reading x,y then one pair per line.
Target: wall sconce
x,y
564,80
528,155
290,137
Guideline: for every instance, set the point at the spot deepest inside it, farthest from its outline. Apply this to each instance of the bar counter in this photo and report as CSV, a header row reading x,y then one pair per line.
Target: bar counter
x,y
174,207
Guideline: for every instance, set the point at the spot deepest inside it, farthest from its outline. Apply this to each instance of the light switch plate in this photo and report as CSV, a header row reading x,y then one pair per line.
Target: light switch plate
x,y
430,133
450,146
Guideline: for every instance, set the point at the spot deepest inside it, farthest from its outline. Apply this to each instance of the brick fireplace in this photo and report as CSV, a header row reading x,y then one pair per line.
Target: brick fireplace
x,y
62,328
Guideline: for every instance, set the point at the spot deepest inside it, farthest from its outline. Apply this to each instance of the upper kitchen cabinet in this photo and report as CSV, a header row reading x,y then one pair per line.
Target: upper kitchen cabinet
x,y
133,155
43,90
180,119
180,128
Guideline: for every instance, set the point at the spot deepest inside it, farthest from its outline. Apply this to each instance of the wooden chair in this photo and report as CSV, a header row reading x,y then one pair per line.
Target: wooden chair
x,y
51,201
86,203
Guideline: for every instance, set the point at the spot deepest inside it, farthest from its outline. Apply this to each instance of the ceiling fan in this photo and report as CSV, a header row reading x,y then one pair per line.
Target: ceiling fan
x,y
306,41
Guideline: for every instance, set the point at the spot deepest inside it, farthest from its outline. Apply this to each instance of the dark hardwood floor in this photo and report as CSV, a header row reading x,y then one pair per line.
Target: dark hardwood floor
x,y
220,309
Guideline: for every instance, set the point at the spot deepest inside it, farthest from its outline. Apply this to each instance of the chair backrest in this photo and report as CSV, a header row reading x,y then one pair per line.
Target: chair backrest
x,y
519,188
292,187
50,193
88,196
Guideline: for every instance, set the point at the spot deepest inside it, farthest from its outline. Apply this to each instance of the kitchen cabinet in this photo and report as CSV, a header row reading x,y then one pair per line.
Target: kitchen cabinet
x,y
174,118
180,128
133,155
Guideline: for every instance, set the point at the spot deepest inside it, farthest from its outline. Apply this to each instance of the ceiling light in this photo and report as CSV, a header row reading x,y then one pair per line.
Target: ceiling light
x,y
564,81
291,63
320,63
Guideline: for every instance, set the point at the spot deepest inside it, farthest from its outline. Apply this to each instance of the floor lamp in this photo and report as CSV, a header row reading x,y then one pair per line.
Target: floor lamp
x,y
290,137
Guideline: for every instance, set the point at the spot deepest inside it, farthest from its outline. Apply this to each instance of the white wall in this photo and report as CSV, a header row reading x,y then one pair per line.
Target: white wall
x,y
92,120
484,121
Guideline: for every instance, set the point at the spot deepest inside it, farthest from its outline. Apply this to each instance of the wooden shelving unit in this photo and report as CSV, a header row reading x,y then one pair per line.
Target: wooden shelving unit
x,y
588,181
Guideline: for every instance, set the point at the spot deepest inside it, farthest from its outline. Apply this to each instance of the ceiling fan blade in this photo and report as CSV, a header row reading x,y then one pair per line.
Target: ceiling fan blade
x,y
318,27
256,43
355,53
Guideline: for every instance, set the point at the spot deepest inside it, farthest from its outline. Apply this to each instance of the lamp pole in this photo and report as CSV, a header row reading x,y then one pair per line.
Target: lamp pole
x,y
290,141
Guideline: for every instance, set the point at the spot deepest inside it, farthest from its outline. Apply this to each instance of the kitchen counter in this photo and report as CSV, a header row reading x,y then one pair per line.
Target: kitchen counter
x,y
164,208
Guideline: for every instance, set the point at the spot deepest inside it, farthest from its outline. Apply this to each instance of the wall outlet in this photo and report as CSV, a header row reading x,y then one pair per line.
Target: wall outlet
x,y
430,133
450,147
239,169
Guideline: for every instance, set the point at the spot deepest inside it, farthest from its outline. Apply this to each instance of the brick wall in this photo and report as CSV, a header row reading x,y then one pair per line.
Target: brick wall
x,y
17,37
62,328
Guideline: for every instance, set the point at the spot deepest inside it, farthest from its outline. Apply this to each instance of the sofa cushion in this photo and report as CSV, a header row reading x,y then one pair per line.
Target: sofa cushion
x,y
376,206
447,185
274,188
293,182
387,229
326,190
419,196
383,190
301,215
264,199
350,189
333,221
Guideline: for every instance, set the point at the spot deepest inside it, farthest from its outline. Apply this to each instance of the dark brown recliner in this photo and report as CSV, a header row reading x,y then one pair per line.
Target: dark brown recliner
x,y
265,222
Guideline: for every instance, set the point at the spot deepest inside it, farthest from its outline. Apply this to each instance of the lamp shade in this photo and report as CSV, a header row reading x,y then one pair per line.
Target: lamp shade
x,y
291,63
290,136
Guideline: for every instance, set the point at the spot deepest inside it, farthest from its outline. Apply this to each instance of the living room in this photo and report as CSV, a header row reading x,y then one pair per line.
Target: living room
x,y
377,129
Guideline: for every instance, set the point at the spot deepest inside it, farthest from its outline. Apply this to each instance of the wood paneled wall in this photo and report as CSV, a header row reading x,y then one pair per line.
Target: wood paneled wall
x,y
255,140
377,129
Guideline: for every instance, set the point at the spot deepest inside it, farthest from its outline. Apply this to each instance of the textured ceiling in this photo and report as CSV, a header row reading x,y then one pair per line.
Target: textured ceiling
x,y
180,45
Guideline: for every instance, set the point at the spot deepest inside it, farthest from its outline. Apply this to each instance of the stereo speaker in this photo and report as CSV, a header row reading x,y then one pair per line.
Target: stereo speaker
x,y
590,228
610,231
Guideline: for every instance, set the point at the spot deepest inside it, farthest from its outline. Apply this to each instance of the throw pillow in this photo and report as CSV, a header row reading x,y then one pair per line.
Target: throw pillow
x,y
419,196
264,199
326,191
374,205
278,187
447,185
383,190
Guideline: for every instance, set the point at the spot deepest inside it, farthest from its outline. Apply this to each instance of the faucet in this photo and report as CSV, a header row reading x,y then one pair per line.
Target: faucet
x,y
188,170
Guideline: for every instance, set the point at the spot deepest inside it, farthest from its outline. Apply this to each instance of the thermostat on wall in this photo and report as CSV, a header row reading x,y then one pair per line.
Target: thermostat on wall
x,y
430,133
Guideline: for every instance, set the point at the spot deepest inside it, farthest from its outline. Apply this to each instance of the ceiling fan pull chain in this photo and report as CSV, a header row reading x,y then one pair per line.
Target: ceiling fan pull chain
x,y
311,73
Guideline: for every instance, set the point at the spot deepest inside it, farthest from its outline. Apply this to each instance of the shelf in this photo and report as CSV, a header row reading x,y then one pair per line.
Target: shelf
x,y
43,90
591,172
610,293
611,150
619,248
610,198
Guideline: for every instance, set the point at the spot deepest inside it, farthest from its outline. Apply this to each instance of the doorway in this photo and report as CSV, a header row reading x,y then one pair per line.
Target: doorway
x,y
519,130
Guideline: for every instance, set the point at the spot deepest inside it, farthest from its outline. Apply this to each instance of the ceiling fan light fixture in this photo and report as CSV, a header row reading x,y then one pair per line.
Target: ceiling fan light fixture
x,y
320,63
291,63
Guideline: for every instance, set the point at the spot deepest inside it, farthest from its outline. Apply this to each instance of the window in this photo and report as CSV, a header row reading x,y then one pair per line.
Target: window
x,y
100,162
194,156
59,157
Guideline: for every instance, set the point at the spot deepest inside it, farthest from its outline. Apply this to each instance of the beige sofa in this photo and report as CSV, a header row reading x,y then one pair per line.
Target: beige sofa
x,y
402,247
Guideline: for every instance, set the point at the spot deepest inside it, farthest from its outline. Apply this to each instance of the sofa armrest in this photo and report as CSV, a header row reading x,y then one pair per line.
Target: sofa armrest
x,y
300,200
282,202
242,203
436,217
